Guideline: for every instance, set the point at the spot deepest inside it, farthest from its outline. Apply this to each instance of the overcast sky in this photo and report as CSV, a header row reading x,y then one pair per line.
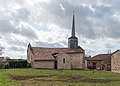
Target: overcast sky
x,y
47,23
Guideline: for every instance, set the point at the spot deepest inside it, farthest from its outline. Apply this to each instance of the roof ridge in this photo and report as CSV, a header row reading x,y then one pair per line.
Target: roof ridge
x,y
104,54
50,48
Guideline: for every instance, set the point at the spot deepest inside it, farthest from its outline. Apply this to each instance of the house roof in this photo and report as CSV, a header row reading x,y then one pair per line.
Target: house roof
x,y
2,59
100,57
116,52
47,53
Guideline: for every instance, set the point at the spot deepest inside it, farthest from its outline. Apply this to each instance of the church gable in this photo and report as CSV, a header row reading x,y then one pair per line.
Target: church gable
x,y
70,60
63,61
29,54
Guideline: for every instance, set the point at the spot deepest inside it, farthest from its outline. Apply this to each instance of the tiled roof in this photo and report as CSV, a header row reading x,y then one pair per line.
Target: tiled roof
x,y
47,53
100,57
2,59
115,51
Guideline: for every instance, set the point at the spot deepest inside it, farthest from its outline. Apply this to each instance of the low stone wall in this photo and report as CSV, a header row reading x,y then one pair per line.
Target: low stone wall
x,y
43,64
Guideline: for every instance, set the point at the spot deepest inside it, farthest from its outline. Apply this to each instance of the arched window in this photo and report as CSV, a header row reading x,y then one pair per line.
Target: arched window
x,y
63,60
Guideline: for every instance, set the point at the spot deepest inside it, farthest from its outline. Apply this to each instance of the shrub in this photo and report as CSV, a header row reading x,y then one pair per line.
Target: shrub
x,y
2,66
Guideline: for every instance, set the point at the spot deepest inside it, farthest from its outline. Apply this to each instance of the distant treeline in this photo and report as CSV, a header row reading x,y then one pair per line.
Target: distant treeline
x,y
16,64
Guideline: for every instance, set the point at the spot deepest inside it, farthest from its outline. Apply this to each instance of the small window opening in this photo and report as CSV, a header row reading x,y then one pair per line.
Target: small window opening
x,y
63,60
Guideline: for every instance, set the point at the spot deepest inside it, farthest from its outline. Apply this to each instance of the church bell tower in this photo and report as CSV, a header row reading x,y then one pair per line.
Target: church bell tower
x,y
73,40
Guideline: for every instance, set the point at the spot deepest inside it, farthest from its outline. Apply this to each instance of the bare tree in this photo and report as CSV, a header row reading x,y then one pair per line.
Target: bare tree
x,y
1,50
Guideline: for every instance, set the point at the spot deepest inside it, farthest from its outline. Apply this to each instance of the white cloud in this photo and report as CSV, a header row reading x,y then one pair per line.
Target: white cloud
x,y
53,34
48,23
33,2
62,8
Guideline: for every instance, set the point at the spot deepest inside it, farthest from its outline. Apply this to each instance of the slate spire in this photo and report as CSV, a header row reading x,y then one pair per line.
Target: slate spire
x,y
73,40
73,26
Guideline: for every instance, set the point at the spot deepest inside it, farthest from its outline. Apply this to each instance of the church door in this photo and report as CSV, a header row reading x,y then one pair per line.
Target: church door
x,y
55,64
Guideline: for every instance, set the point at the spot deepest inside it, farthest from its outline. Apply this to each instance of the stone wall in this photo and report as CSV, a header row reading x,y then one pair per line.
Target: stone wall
x,y
115,62
63,61
77,60
43,64
97,66
72,61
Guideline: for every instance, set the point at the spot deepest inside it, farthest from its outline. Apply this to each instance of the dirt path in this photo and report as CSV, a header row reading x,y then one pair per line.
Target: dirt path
x,y
69,79
89,80
15,77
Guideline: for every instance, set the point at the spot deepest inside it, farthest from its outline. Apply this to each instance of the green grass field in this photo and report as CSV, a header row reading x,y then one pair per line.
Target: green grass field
x,y
42,77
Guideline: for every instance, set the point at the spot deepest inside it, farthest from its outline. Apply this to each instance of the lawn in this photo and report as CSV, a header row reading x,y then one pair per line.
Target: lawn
x,y
42,77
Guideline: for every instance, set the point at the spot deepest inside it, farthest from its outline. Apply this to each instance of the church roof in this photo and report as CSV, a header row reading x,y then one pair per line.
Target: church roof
x,y
47,53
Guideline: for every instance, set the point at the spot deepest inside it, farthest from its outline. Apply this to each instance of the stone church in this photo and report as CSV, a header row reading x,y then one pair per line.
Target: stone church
x,y
58,58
